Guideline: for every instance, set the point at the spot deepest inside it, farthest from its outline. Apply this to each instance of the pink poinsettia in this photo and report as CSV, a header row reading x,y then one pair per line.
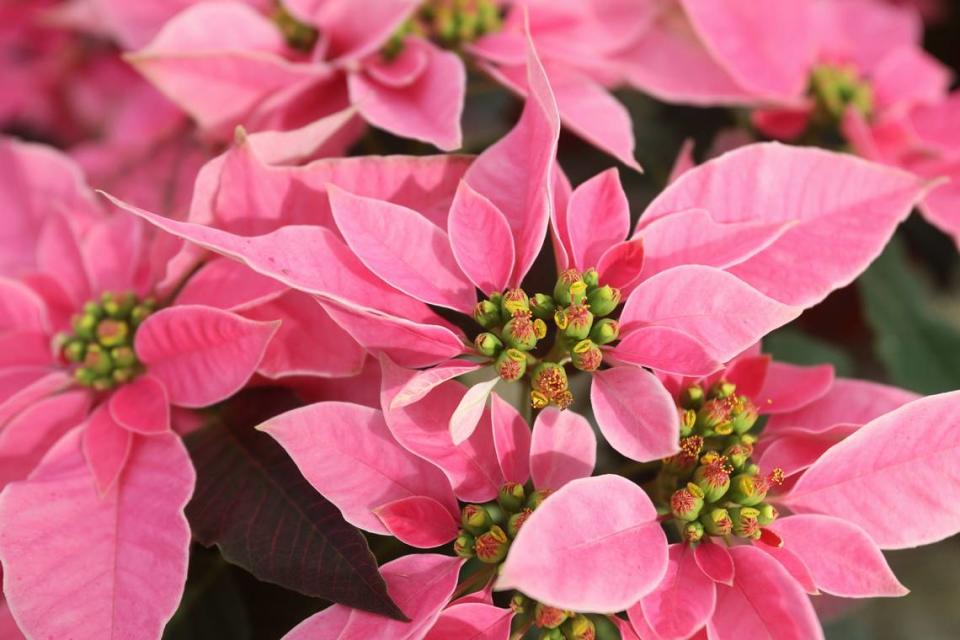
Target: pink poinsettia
x,y
844,434
93,373
283,68
730,251
400,493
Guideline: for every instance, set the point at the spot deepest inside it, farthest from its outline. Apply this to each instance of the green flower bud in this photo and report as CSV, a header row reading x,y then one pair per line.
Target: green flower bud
x,y
738,455
475,519
605,331
74,350
686,503
722,389
744,415
537,497
511,496
714,417
487,314
491,547
550,379
487,344
98,360
693,532
561,291
746,523
577,322
547,617
123,357
586,356
606,629
123,374
551,634
516,521
85,326
542,306
463,545
103,384
93,309
713,477
688,419
748,490
139,314
511,364
113,333
84,376
514,301
767,514
717,522
692,397
603,300
519,603
578,293
591,278
520,333
579,627
119,305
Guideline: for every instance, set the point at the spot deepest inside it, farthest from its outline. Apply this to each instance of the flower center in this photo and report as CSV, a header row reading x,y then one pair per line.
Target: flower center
x,y
712,487
101,344
516,324
834,88
451,24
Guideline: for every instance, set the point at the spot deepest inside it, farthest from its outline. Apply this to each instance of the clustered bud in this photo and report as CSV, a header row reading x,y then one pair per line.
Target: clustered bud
x,y
101,343
298,35
488,529
449,23
712,487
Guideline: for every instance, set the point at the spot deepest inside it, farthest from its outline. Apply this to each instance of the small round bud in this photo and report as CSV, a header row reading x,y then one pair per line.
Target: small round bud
x,y
551,634
737,455
463,545
748,490
722,389
123,356
540,328
514,301
98,360
686,503
693,532
103,384
578,293
561,291
118,306
123,374
487,314
139,314
491,547
112,333
744,415
579,627
586,356
578,322
692,397
714,417
520,333
93,309
74,350
550,379
475,519
688,419
519,603
713,478
85,326
605,331
717,522
488,344
547,617
591,278
746,522
516,521
84,376
767,514
511,365
538,400
542,306
603,300
511,496
537,497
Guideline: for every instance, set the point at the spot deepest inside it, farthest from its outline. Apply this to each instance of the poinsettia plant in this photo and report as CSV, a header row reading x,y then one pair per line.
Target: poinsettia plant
x,y
272,365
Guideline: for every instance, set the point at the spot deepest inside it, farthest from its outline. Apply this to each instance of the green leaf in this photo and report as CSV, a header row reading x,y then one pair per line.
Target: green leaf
x,y
919,349
794,346
253,503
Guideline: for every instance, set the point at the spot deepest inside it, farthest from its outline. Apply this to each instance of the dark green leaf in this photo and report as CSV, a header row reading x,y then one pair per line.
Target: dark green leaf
x,y
919,349
252,502
212,605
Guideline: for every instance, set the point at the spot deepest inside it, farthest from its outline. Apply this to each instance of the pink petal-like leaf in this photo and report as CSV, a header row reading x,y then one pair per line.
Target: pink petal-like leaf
x,y
665,349
511,439
598,216
468,413
764,602
715,562
913,448
841,557
404,248
106,446
788,387
563,448
425,381
21,308
202,355
682,603
717,309
227,284
126,551
481,240
793,565
420,584
419,521
472,621
845,210
621,265
141,406
605,530
636,414
516,173
347,453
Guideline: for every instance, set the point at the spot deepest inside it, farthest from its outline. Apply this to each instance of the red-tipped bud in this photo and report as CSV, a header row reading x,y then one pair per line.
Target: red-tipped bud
x,y
519,332
717,522
605,331
686,503
603,300
547,617
692,397
586,356
463,545
491,547
713,477
748,490
514,301
511,496
561,292
475,519
511,364
746,523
